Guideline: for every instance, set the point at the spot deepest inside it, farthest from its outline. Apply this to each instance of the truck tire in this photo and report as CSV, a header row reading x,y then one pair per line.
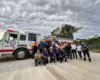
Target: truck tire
x,y
21,54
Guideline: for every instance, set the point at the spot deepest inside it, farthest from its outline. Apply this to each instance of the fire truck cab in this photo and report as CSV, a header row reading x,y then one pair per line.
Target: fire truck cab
x,y
18,44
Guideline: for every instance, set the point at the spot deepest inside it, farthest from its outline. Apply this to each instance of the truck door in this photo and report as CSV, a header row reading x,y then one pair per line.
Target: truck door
x,y
31,39
10,43
22,41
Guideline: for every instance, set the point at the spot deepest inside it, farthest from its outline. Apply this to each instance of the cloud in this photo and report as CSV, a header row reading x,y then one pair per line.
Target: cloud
x,y
45,15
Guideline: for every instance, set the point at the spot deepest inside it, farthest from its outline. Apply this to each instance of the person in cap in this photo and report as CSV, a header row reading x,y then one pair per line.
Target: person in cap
x,y
86,52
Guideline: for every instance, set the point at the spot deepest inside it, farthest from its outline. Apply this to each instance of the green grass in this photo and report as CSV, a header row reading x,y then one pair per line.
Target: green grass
x,y
95,50
7,59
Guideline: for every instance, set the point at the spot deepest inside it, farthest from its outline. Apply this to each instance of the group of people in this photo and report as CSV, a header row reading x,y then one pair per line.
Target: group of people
x,y
48,52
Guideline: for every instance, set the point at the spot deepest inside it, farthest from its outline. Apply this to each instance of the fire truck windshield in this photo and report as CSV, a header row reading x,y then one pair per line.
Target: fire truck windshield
x,y
2,34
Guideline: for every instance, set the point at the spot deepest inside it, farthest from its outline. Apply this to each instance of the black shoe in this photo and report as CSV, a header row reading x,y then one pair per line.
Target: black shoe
x,y
89,59
51,61
71,58
44,63
65,59
35,64
84,59
60,61
54,61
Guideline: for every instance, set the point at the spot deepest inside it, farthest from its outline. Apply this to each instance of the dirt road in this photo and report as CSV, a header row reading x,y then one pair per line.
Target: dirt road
x,y
71,70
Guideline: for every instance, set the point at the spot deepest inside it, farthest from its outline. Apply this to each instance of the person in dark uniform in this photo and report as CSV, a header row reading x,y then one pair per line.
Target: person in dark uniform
x,y
64,55
67,50
52,55
86,52
46,56
57,53
54,46
61,54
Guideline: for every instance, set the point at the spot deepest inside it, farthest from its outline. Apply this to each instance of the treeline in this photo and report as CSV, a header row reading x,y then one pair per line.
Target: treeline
x,y
93,43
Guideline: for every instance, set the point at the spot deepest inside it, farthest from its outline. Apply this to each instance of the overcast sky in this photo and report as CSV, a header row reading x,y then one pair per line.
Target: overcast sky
x,y
45,15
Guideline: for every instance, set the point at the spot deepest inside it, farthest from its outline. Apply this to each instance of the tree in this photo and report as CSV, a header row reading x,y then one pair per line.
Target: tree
x,y
66,31
55,31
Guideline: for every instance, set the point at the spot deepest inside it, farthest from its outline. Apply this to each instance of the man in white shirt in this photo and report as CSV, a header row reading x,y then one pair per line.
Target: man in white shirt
x,y
79,50
73,47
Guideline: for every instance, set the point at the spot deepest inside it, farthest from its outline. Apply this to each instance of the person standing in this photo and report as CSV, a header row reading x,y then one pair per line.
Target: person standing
x,y
57,53
73,48
64,55
34,48
67,50
42,45
54,46
61,55
52,55
79,50
86,52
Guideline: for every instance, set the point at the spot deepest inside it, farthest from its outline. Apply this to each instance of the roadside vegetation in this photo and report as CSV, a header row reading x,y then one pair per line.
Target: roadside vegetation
x,y
5,59
93,43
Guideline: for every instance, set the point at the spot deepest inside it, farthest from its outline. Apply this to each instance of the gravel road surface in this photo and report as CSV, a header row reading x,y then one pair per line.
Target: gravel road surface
x,y
71,70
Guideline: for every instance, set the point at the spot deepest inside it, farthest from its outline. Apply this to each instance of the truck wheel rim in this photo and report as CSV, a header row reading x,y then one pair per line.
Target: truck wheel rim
x,y
21,54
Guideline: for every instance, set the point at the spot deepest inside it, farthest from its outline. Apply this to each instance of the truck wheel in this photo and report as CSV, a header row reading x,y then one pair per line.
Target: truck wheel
x,y
21,54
